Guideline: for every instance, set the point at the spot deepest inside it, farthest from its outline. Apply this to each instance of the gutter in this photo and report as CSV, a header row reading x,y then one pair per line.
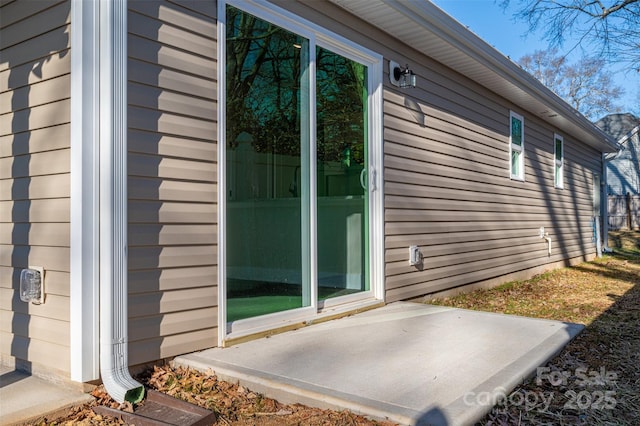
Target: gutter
x,y
114,364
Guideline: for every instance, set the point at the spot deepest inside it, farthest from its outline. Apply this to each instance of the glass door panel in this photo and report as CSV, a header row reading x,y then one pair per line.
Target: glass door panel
x,y
342,175
267,168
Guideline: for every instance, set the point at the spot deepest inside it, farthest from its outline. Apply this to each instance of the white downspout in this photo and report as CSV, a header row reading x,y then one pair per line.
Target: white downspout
x,y
545,236
114,365
604,209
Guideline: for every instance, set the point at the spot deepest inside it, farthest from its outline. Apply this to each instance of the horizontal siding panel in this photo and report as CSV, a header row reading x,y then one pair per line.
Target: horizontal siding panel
x,y
432,148
439,266
33,211
458,141
43,22
186,62
158,189
421,197
172,279
54,42
172,180
143,305
53,258
42,163
162,122
171,257
423,184
410,228
154,75
448,98
57,283
427,158
170,168
206,8
456,275
170,35
512,263
172,323
420,289
171,146
400,215
47,139
167,212
36,351
169,346
45,329
35,95
16,11
54,307
436,250
154,235
178,15
30,188
36,118
470,240
22,75
155,98
37,234
491,122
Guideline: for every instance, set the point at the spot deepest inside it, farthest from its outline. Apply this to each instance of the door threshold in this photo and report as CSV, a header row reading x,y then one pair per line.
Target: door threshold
x,y
327,314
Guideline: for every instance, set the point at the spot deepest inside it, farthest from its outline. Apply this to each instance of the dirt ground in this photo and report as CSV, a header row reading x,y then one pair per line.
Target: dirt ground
x,y
595,380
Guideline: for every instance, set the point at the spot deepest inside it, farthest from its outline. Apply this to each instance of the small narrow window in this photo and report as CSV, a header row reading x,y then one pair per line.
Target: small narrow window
x,y
516,146
558,161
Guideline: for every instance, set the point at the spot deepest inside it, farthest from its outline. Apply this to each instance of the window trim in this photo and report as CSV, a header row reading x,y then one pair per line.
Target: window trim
x,y
519,148
558,169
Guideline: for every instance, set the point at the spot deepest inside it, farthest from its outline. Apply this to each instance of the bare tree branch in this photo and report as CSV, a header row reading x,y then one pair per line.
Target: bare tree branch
x,y
609,28
585,85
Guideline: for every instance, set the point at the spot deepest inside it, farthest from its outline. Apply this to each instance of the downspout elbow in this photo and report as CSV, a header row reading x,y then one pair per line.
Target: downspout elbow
x,y
116,379
547,238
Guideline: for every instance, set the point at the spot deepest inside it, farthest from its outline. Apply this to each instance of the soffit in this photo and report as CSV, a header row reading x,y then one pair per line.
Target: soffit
x,y
429,30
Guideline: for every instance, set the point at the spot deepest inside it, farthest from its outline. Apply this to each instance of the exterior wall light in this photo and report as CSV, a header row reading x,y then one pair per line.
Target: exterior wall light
x,y
400,76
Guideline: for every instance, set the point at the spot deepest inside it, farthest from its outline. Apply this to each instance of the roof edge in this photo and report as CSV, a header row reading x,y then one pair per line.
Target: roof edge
x,y
442,25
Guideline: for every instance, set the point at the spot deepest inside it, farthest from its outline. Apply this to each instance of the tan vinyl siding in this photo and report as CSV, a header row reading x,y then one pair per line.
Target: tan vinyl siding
x,y
448,190
447,181
34,179
172,136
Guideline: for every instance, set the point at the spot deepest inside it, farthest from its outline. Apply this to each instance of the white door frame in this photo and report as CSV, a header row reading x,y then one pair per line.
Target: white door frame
x,y
320,36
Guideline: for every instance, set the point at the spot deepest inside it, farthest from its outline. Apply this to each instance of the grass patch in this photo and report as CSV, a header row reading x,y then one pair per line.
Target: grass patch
x,y
605,296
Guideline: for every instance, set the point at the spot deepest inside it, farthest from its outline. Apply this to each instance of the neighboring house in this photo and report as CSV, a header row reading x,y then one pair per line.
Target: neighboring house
x,y
207,172
623,171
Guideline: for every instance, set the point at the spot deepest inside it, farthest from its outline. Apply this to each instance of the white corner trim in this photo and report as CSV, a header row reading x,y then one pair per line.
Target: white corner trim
x,y
84,250
222,173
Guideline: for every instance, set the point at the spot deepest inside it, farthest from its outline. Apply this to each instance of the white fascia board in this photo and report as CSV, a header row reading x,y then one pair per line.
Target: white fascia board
x,y
84,206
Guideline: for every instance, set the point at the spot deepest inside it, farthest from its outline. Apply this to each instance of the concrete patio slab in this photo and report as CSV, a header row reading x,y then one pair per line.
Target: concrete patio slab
x,y
406,362
26,399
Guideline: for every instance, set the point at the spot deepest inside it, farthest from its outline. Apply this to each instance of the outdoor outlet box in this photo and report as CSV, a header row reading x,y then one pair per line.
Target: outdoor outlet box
x,y
415,257
541,232
32,285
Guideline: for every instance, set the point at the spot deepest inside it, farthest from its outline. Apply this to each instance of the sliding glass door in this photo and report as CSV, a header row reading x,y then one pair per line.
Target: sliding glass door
x,y
341,156
296,167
